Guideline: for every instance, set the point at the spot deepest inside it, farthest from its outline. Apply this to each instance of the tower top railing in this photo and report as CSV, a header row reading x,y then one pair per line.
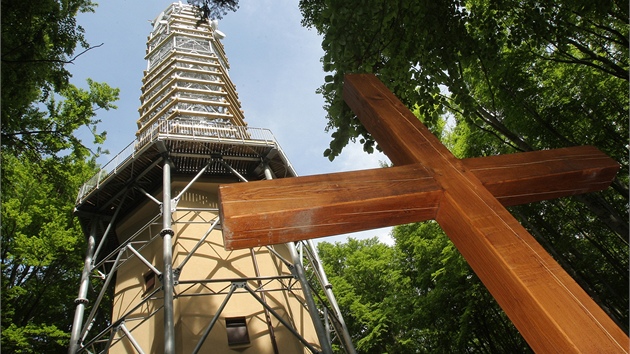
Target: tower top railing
x,y
178,129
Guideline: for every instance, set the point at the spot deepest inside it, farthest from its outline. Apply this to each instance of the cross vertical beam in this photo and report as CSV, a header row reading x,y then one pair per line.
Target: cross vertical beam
x,y
551,311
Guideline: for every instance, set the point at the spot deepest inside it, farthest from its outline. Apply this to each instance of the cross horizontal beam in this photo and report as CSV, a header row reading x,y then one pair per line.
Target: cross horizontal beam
x,y
291,209
257,213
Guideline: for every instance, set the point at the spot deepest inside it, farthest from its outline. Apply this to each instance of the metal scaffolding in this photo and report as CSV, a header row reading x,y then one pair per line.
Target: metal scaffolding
x,y
191,135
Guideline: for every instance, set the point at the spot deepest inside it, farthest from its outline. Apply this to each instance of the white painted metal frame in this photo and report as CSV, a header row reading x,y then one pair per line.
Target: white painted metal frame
x,y
187,97
106,269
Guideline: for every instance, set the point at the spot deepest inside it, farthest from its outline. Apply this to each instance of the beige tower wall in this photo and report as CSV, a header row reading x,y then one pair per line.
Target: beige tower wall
x,y
130,288
204,282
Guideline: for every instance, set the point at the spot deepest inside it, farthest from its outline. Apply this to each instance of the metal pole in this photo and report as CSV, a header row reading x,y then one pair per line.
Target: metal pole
x,y
268,175
227,165
143,260
268,172
284,322
206,332
310,302
321,274
201,241
199,174
109,227
82,300
97,303
132,340
167,255
263,297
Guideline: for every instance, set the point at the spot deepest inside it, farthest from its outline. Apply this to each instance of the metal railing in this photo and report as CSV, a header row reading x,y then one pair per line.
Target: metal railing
x,y
199,130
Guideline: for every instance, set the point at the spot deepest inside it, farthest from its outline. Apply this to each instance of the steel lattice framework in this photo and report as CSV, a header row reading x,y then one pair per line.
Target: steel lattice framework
x,y
187,73
151,219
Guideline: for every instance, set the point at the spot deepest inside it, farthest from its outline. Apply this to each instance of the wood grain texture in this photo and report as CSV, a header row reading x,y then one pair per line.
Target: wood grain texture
x,y
292,209
550,310
540,175
258,213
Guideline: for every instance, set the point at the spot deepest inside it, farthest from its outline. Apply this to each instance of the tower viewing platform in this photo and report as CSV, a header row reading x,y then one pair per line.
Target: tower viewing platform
x,y
192,145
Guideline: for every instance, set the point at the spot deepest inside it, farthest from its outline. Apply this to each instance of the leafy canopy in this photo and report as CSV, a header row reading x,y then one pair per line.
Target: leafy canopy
x,y
43,166
41,109
42,248
418,296
457,57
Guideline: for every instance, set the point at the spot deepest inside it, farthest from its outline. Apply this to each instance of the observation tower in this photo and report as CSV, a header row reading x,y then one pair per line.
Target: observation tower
x,y
151,218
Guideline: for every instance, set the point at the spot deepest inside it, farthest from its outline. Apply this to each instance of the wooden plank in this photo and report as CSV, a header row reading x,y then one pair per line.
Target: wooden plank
x,y
403,144
255,213
540,175
546,305
292,209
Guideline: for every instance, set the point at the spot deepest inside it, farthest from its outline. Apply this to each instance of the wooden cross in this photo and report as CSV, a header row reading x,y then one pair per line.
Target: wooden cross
x,y
466,197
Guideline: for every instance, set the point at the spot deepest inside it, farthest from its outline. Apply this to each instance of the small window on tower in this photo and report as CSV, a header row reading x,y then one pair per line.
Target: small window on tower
x,y
236,331
149,281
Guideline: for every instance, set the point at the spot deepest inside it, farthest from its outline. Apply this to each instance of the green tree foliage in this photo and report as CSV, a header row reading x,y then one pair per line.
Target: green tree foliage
x,y
42,248
41,109
213,9
364,284
506,76
421,49
418,296
43,166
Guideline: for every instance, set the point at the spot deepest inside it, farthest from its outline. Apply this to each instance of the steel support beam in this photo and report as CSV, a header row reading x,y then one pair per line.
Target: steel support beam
x,y
285,323
310,302
206,332
99,298
132,340
167,256
82,300
323,279
263,297
109,228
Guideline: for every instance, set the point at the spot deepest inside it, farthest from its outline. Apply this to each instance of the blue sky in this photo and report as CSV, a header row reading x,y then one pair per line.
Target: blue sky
x,y
275,65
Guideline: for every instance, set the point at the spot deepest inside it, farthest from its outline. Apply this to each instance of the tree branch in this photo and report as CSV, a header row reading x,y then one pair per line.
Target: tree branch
x,y
616,69
574,60
34,132
71,61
